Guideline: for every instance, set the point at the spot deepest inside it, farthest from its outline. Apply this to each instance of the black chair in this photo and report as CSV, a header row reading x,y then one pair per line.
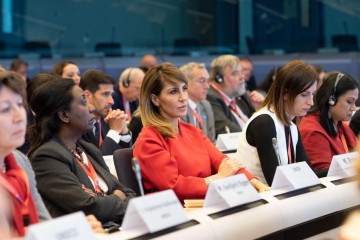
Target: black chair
x,y
123,167
183,46
345,43
109,49
41,47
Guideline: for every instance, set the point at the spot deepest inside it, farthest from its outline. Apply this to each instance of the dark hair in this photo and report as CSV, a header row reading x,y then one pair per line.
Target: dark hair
x,y
153,83
91,79
38,80
323,94
268,80
15,65
294,78
48,99
14,82
59,67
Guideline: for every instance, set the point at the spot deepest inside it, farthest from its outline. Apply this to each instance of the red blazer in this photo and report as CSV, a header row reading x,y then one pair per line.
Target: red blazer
x,y
319,146
180,164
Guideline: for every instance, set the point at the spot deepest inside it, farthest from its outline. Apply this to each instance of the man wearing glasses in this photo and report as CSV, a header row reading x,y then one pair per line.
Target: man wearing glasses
x,y
199,111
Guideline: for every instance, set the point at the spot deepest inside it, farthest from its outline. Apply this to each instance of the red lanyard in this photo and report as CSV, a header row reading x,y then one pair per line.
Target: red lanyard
x,y
89,170
289,146
197,116
10,188
126,107
343,140
100,135
232,105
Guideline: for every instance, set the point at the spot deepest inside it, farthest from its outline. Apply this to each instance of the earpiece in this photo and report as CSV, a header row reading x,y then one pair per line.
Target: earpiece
x,y
219,79
126,82
332,98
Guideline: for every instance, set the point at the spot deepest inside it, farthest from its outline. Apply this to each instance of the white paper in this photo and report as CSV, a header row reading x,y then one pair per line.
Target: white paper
x,y
109,160
342,165
294,176
228,141
229,192
153,212
71,227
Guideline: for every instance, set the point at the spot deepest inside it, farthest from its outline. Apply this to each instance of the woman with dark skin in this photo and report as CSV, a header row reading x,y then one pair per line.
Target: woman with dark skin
x,y
71,174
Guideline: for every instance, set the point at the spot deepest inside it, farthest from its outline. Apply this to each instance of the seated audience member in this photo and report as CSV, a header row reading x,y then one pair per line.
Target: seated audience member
x,y
199,111
135,126
71,173
15,168
20,66
126,93
148,61
68,69
355,123
166,145
321,71
227,95
110,131
268,80
290,95
323,130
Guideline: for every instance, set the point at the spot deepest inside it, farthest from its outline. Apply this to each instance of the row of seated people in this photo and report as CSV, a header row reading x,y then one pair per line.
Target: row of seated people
x,y
65,113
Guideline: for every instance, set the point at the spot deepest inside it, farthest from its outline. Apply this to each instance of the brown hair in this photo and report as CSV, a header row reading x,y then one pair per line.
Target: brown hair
x,y
294,78
59,67
153,84
14,82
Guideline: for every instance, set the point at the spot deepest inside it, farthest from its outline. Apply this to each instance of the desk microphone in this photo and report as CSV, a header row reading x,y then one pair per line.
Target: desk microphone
x,y
276,148
137,171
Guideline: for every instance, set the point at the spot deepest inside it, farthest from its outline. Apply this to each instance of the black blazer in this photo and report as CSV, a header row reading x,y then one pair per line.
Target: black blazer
x,y
108,146
222,114
60,180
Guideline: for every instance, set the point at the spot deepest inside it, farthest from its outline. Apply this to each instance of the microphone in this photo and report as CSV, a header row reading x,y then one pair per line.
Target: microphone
x,y
276,148
137,171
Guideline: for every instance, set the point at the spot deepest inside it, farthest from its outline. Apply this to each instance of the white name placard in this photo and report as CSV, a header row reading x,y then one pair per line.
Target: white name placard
x,y
229,192
153,212
343,165
70,227
294,176
228,141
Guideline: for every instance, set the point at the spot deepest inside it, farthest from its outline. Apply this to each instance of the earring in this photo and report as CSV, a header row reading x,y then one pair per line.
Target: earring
x,y
329,114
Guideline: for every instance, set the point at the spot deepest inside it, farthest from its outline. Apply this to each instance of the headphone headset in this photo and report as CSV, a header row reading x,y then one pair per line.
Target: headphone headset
x,y
332,98
126,82
219,78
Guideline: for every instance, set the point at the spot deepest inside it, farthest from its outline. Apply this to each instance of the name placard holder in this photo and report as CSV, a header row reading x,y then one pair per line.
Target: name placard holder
x,y
228,141
343,165
73,226
229,192
153,212
294,176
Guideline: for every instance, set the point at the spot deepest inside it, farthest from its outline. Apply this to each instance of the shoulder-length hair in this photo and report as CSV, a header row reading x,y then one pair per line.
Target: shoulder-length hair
x,y
294,78
327,89
153,83
47,100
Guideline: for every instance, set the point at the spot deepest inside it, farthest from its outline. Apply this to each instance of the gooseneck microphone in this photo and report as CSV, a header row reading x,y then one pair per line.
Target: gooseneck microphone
x,y
137,171
276,148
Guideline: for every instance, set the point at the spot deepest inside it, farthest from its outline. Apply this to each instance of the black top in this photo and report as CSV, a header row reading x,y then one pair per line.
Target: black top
x,y
259,134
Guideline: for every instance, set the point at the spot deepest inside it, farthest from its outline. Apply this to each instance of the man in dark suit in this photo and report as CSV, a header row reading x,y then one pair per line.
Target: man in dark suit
x,y
110,131
199,111
126,93
227,95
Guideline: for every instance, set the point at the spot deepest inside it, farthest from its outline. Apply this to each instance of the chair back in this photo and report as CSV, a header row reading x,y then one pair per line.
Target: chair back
x,y
124,171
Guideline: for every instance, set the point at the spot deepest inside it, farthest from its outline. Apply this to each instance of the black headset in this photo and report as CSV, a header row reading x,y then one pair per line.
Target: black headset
x,y
219,78
332,98
126,82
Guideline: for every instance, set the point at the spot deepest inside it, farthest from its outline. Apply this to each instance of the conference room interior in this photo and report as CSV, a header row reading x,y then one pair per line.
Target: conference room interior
x,y
114,36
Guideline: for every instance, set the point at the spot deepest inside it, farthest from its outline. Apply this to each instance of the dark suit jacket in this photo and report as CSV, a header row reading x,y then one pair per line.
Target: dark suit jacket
x,y
60,180
208,125
118,101
222,113
108,146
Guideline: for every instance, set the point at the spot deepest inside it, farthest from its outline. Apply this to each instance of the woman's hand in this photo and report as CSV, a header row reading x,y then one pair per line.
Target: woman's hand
x,y
228,167
259,186
95,224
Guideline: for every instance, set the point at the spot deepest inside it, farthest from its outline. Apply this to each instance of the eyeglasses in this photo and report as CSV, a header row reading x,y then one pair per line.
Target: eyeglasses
x,y
203,81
